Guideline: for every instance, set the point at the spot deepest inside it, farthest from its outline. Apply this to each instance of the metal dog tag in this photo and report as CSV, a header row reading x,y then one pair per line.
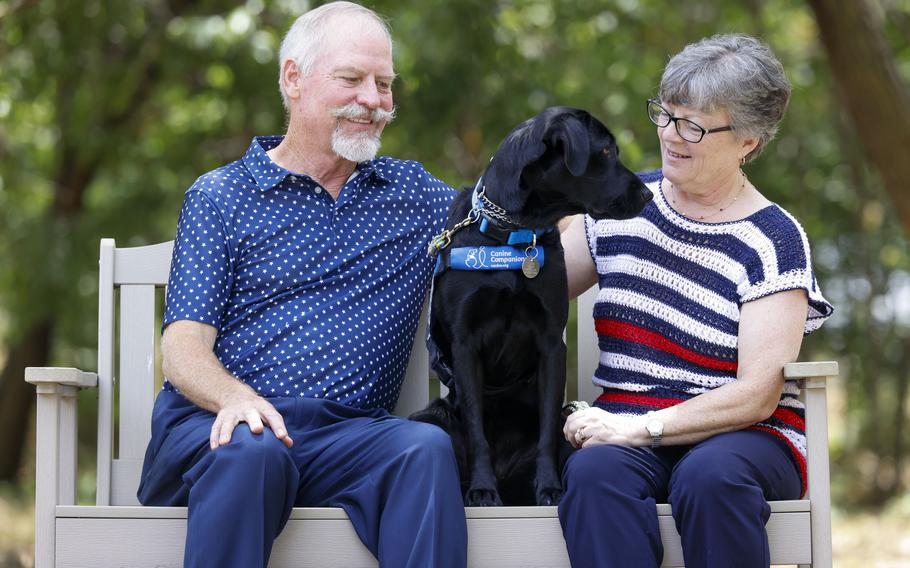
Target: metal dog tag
x,y
530,267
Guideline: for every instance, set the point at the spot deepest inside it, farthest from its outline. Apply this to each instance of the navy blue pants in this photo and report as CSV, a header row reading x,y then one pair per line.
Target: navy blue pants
x,y
719,490
397,480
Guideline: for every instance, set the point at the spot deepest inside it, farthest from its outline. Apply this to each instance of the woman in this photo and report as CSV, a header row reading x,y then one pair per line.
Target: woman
x,y
703,299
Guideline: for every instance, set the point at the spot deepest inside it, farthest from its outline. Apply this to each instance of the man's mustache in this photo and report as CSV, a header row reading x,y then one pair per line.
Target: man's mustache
x,y
357,111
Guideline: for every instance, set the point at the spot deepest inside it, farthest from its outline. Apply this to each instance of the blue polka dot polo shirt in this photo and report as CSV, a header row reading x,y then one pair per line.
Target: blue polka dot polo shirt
x,y
311,296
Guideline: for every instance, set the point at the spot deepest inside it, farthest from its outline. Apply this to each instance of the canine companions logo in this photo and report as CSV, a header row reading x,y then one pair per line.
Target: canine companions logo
x,y
491,258
476,258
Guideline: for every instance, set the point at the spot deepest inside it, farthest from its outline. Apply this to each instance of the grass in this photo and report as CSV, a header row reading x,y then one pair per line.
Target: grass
x,y
17,529
873,540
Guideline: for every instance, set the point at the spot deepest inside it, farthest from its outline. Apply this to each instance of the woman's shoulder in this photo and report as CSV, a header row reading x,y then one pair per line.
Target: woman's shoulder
x,y
779,240
778,225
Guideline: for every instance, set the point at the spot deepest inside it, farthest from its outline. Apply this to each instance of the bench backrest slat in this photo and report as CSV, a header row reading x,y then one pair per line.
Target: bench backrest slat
x,y
125,475
415,389
105,372
588,356
136,273
137,368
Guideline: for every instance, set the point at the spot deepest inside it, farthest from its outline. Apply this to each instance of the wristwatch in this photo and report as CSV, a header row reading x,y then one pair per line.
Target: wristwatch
x,y
656,429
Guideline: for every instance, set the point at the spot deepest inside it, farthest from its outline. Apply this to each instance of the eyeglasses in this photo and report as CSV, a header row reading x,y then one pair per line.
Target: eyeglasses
x,y
688,130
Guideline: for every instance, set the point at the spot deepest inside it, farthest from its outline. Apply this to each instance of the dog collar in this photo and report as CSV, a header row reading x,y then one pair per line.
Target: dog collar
x,y
494,223
492,228
491,258
480,202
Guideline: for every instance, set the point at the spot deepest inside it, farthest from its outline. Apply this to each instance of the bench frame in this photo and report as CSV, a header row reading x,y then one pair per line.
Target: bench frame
x,y
117,531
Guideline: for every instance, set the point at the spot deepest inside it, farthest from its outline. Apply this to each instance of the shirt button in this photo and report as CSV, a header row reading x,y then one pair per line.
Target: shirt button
x,y
318,189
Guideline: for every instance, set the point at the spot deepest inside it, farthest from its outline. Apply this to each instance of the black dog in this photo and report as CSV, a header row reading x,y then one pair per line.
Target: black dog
x,y
499,332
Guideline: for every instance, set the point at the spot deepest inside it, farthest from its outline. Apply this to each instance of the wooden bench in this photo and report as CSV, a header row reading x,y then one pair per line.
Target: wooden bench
x,y
117,531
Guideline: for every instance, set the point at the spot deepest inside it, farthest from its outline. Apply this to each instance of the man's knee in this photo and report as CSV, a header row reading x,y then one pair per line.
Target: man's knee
x,y
429,439
254,452
260,464
426,443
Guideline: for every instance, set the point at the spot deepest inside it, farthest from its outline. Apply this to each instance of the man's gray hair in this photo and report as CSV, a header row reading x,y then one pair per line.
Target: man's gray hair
x,y
735,73
306,39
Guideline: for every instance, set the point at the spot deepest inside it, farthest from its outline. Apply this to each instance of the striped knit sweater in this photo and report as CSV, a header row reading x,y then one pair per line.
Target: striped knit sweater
x,y
667,313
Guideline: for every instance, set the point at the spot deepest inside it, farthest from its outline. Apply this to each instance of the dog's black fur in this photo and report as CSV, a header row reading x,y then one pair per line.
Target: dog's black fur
x,y
501,332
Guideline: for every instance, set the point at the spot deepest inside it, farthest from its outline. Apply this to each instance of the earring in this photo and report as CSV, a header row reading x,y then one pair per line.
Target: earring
x,y
742,161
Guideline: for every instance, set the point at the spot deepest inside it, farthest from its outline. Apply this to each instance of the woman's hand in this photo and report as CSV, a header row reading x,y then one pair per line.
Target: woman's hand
x,y
594,426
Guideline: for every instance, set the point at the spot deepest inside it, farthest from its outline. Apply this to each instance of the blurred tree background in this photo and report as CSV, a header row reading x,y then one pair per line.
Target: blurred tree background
x,y
110,110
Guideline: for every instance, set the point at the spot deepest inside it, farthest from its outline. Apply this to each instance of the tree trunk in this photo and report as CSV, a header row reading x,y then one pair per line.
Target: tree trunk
x,y
17,396
878,102
900,420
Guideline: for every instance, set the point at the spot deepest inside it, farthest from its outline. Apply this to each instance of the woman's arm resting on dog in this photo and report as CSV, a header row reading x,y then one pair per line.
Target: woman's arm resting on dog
x,y
190,364
580,269
770,335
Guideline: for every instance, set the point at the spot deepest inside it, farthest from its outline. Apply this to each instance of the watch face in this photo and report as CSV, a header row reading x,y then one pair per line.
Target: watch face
x,y
655,427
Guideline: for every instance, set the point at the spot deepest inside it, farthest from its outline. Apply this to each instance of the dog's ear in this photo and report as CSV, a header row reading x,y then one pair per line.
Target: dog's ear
x,y
523,146
569,132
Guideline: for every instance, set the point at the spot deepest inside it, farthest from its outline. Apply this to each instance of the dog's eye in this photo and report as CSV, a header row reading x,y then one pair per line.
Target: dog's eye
x,y
608,152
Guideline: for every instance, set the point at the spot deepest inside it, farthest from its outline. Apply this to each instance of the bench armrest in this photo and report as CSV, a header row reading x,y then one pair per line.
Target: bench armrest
x,y
66,376
811,370
56,431
814,378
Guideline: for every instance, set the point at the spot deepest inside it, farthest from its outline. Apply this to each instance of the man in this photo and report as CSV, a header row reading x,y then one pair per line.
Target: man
x,y
297,279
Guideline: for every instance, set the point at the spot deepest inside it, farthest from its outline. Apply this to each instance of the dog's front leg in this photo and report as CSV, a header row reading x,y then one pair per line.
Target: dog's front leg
x,y
551,385
469,376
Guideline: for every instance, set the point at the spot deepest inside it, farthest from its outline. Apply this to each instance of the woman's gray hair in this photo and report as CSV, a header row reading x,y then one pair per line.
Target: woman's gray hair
x,y
735,73
305,41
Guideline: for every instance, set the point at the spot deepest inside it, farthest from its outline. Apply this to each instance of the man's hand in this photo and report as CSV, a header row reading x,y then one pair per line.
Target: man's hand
x,y
255,411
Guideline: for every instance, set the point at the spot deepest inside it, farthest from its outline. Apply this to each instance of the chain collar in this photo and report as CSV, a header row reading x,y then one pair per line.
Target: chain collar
x,y
481,206
486,207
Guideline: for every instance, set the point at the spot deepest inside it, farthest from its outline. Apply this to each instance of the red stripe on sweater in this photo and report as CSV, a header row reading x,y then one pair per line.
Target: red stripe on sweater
x,y
800,459
639,399
629,332
790,418
787,416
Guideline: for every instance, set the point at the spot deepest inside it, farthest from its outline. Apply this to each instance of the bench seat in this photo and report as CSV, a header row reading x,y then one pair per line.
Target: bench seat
x,y
522,537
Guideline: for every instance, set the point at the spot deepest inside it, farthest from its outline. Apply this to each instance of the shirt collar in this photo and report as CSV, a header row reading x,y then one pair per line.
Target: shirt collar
x,y
374,168
268,174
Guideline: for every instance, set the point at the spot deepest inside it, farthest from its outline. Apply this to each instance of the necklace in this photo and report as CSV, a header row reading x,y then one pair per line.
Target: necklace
x,y
716,213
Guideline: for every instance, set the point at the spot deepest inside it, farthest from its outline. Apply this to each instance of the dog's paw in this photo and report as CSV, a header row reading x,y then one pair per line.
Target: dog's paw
x,y
549,496
482,498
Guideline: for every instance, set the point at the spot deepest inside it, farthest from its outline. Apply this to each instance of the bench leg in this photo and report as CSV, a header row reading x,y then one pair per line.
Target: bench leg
x,y
46,485
819,474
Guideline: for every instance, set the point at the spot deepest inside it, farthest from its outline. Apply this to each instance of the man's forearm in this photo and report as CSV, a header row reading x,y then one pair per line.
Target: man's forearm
x,y
191,366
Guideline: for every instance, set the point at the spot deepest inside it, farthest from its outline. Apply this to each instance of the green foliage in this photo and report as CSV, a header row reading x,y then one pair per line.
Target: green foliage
x,y
110,110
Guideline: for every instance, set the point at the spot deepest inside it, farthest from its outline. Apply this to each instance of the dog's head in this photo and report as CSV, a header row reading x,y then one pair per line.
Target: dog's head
x,y
562,162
